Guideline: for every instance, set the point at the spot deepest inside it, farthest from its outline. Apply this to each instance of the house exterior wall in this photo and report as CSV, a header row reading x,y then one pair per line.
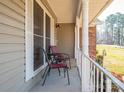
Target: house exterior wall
x,y
12,47
92,42
65,36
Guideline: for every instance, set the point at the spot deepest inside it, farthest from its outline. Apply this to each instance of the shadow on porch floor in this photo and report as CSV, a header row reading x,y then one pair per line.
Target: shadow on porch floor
x,y
56,83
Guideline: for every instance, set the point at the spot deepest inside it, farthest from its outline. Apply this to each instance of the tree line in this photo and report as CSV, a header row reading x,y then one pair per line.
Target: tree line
x,y
113,30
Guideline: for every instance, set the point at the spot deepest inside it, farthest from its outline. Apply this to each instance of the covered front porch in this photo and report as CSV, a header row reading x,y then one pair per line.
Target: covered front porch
x,y
75,34
27,26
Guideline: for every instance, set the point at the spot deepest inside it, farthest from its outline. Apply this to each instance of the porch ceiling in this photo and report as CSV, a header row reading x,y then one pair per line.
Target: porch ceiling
x,y
65,10
96,7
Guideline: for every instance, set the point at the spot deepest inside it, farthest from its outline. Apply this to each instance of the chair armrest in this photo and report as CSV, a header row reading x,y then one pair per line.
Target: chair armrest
x,y
50,54
66,54
61,55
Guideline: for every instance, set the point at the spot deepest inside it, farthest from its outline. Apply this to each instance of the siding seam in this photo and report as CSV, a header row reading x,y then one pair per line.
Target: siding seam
x,y
13,26
12,76
18,5
20,65
11,52
13,10
11,61
19,36
11,43
12,18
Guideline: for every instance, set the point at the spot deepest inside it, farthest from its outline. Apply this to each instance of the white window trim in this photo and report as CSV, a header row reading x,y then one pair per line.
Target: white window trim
x,y
29,38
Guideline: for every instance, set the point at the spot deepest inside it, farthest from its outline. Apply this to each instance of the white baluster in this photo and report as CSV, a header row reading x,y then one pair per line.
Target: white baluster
x,y
101,81
91,75
94,77
108,85
97,86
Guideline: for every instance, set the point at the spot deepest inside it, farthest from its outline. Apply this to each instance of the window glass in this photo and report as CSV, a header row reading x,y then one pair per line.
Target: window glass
x,y
48,26
38,35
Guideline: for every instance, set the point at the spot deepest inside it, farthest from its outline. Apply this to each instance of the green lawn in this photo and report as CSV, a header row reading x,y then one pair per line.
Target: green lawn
x,y
114,60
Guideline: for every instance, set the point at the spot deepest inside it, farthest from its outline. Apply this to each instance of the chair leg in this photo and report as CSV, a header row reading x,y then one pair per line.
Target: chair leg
x,y
45,76
44,72
68,77
69,63
64,72
59,72
49,71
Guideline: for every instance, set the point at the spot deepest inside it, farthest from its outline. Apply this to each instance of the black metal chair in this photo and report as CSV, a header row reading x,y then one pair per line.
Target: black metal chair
x,y
52,65
59,56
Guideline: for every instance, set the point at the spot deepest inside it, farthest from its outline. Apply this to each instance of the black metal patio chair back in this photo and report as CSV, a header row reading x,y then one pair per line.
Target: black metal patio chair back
x,y
53,66
47,59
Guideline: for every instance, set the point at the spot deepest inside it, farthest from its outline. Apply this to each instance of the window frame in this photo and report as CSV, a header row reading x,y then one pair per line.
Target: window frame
x,y
29,37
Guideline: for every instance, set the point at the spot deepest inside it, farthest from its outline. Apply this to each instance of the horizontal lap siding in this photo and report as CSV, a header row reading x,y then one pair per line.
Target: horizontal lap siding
x,y
11,44
12,47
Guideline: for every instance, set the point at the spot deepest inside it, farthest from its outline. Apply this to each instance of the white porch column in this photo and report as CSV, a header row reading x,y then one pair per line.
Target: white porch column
x,y
85,50
77,42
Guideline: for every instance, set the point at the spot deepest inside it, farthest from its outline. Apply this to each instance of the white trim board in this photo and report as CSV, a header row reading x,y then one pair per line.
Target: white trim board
x,y
29,36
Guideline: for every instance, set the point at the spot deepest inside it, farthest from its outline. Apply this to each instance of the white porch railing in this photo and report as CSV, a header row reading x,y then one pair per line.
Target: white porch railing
x,y
79,61
101,80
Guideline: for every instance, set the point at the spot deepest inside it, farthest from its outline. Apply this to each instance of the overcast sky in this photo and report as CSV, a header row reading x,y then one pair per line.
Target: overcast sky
x,y
115,6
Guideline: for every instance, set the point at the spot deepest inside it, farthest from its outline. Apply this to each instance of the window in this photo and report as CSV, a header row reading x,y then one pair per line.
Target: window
x,y
48,29
39,25
38,35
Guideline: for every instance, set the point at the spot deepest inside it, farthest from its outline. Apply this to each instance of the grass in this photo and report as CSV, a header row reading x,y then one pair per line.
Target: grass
x,y
114,60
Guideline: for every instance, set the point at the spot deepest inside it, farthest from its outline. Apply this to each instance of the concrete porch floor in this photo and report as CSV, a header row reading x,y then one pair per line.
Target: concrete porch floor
x,y
56,83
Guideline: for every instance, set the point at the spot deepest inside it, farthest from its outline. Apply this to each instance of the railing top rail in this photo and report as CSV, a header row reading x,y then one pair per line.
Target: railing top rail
x,y
116,81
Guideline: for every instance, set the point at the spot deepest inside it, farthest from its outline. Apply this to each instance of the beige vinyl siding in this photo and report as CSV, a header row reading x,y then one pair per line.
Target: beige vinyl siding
x,y
12,47
65,36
